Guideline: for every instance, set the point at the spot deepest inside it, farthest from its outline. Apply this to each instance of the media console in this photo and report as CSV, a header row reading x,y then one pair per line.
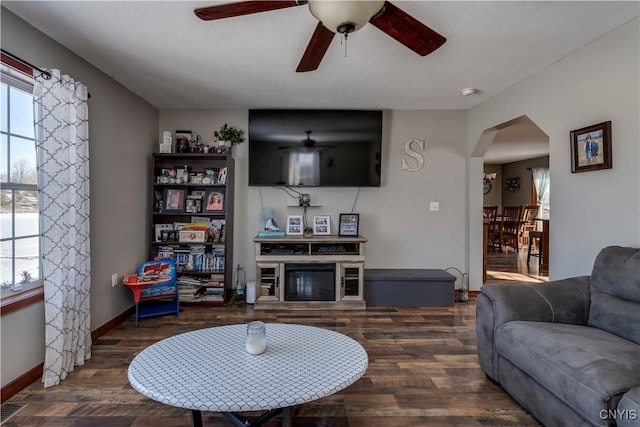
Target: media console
x,y
310,272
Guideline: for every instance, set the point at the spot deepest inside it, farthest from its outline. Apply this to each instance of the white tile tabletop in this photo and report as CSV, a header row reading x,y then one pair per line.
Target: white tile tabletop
x,y
210,369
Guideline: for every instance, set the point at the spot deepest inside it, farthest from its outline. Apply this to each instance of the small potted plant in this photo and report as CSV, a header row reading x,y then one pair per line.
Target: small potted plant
x,y
229,134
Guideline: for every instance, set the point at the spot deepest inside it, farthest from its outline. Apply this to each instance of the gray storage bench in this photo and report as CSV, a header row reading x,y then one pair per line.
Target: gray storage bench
x,y
408,287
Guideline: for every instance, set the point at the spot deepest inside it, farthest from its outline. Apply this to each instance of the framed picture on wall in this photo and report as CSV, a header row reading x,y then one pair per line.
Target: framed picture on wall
x,y
295,225
321,225
591,148
349,224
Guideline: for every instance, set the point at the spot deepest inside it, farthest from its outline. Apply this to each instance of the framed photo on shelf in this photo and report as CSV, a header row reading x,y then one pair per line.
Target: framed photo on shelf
x,y
212,174
183,139
193,205
174,199
348,224
159,228
182,175
222,176
197,194
195,236
321,225
295,225
214,201
591,148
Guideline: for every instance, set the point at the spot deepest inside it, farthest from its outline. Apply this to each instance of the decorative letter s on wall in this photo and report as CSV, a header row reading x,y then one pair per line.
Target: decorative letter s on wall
x,y
419,158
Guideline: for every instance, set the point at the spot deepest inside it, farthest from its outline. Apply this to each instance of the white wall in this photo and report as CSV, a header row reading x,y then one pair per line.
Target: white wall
x,y
494,197
123,130
394,217
589,210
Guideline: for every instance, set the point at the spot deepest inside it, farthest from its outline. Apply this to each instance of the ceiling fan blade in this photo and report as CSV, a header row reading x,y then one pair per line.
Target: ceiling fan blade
x,y
318,45
407,30
229,10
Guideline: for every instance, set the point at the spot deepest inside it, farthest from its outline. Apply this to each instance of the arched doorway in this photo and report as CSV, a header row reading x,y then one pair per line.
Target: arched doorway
x,y
515,159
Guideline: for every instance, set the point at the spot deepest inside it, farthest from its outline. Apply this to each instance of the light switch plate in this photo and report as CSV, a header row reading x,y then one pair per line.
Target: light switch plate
x,y
434,206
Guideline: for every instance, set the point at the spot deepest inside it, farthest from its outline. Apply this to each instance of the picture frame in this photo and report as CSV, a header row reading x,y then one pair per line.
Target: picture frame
x,y
212,174
222,176
173,200
192,236
321,225
159,228
183,141
591,148
349,224
182,177
197,194
213,201
295,225
193,205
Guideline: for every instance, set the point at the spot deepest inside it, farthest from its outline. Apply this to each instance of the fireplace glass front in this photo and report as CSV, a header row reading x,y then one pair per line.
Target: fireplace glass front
x,y
310,282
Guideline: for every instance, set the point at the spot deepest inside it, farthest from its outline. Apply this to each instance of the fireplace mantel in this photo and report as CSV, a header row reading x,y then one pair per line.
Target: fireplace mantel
x,y
275,257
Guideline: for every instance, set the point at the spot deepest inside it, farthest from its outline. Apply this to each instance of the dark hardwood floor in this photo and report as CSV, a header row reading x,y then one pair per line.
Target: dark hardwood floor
x,y
512,267
423,371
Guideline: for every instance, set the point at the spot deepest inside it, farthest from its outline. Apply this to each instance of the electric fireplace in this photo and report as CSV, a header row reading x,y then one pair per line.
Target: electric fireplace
x,y
310,282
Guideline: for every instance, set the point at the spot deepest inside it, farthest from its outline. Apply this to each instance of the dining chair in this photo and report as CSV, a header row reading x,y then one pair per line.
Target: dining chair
x,y
489,214
528,223
510,227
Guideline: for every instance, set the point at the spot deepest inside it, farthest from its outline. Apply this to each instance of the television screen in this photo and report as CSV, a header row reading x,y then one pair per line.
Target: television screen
x,y
315,148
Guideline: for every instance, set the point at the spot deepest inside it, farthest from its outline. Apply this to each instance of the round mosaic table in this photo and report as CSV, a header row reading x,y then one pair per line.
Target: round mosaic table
x,y
210,370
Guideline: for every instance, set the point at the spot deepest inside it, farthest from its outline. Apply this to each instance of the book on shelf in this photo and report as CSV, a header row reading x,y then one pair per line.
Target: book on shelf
x,y
271,233
212,298
190,298
213,291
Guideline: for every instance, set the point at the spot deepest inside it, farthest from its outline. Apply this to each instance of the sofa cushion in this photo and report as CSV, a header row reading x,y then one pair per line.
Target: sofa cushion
x,y
587,368
615,292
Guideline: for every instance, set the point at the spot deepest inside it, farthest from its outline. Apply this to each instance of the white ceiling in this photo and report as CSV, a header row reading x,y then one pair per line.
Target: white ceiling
x,y
161,51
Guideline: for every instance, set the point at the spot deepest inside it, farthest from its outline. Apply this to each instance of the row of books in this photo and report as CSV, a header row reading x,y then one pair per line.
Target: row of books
x,y
266,290
201,289
194,258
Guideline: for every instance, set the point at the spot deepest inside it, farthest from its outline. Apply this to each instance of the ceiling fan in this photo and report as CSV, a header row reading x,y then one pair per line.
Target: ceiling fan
x,y
343,17
307,144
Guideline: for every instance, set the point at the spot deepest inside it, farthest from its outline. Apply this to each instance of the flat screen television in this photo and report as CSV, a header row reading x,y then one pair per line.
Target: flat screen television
x,y
315,148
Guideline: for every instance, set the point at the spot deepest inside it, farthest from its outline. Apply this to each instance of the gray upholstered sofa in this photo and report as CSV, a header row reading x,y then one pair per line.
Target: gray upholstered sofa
x,y
568,351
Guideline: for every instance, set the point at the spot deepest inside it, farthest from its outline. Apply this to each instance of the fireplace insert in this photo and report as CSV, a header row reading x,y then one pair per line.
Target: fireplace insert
x,y
310,282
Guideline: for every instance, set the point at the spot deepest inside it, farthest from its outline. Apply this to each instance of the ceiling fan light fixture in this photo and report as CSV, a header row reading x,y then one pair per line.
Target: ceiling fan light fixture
x,y
344,17
346,28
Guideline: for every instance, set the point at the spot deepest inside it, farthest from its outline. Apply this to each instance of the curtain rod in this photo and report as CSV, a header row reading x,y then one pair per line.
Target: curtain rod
x,y
46,74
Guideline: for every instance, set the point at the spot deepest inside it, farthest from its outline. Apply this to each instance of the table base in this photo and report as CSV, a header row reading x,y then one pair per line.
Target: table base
x,y
241,421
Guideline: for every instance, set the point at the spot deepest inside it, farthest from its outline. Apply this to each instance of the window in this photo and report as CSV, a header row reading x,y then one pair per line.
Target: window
x,y
19,211
545,203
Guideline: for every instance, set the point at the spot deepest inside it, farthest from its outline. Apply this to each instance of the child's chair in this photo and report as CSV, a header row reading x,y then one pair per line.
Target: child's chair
x,y
162,297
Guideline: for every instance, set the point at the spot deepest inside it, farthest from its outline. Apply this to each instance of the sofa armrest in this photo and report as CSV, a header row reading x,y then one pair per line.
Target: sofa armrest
x,y
560,301
628,411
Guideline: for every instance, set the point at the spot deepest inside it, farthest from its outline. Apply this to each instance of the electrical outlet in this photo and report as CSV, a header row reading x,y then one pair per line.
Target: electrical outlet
x,y
114,279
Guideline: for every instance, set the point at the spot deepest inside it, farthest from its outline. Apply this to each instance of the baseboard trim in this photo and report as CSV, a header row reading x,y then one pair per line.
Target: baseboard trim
x,y
21,382
35,373
106,327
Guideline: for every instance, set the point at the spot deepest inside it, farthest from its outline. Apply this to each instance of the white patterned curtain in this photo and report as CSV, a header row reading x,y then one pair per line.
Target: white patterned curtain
x,y
62,148
541,181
